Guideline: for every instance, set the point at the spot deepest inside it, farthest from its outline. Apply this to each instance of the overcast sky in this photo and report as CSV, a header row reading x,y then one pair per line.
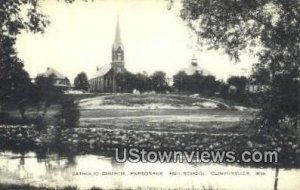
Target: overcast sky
x,y
80,38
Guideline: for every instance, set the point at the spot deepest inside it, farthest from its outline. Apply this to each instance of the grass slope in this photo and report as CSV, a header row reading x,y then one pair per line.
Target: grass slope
x,y
151,101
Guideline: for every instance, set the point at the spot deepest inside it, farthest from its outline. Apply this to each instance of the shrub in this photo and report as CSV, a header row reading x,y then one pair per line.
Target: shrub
x,y
68,117
40,122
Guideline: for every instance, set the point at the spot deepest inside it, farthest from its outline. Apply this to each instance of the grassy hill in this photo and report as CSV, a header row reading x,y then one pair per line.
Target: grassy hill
x,y
150,101
160,112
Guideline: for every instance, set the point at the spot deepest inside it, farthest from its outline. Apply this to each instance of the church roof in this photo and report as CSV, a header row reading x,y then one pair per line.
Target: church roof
x,y
102,70
194,67
52,72
118,42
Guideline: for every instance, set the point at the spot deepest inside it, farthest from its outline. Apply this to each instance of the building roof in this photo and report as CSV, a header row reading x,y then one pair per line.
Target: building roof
x,y
52,72
194,67
190,70
102,71
118,42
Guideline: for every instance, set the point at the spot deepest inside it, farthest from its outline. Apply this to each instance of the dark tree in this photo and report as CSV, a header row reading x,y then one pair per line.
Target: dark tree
x,y
196,83
239,82
272,26
159,81
181,81
46,92
125,82
142,82
81,82
15,83
68,116
14,80
222,89
209,85
17,16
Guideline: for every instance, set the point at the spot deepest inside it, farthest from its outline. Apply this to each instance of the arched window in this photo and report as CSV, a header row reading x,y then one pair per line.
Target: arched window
x,y
119,56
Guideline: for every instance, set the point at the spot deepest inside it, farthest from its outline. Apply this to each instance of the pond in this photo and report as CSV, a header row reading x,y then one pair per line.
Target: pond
x,y
86,171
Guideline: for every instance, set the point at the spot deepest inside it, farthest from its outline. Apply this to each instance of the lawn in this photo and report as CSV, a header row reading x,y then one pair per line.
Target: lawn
x,y
150,101
163,112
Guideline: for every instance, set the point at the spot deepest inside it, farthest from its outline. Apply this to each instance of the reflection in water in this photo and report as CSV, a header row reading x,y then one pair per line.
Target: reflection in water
x,y
87,171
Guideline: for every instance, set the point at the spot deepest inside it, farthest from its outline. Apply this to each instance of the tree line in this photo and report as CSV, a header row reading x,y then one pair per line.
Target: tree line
x,y
235,88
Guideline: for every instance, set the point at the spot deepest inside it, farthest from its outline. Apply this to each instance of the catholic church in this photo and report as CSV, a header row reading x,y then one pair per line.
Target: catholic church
x,y
105,78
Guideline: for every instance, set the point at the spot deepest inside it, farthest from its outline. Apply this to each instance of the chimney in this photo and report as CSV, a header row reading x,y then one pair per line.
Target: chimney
x,y
97,68
48,68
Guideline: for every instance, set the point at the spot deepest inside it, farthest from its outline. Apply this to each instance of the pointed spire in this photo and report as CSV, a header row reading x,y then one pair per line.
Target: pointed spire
x,y
117,42
118,35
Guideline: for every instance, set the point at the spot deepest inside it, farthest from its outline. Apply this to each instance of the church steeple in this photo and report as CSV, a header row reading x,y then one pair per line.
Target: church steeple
x,y
118,41
118,48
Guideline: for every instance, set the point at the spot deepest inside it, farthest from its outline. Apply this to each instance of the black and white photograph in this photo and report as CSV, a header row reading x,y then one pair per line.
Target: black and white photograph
x,y
149,94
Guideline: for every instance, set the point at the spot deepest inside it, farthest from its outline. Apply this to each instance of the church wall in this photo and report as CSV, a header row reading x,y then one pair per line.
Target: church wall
x,y
102,84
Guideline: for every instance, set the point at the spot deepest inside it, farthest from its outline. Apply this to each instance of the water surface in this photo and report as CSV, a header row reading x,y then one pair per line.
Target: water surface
x,y
86,171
